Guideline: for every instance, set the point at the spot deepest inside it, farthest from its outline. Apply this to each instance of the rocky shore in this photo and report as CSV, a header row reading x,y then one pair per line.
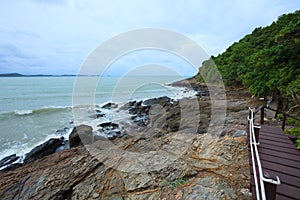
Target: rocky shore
x,y
159,155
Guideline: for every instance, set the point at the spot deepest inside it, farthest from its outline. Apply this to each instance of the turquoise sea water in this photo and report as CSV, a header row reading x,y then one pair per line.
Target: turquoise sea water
x,y
34,109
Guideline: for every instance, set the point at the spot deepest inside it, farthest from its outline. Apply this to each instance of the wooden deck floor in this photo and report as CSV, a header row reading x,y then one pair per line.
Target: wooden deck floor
x,y
279,156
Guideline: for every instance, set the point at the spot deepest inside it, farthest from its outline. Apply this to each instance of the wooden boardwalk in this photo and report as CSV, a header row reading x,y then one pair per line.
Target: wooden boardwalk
x,y
279,156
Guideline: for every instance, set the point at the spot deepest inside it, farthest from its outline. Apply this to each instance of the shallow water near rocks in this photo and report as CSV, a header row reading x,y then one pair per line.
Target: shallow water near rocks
x,y
34,109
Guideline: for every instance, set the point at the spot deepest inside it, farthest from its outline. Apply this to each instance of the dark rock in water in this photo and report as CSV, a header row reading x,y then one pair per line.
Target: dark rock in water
x,y
8,160
11,167
109,124
139,110
62,131
80,135
45,149
97,115
138,103
140,120
163,101
133,110
110,105
111,130
128,105
66,145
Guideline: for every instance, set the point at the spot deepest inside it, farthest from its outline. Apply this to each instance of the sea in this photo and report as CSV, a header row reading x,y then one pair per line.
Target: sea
x,y
35,109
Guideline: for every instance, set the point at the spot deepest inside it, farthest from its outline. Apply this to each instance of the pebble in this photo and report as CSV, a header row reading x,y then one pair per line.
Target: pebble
x,y
95,195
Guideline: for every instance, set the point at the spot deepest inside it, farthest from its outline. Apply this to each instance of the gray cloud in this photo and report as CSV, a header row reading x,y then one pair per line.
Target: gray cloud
x,y
57,35
13,51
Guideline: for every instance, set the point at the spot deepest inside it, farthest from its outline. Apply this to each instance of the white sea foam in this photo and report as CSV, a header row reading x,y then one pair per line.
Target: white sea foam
x,y
24,148
39,119
23,112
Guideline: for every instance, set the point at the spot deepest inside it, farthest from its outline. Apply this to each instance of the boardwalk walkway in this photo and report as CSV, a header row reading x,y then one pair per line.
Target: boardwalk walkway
x,y
279,156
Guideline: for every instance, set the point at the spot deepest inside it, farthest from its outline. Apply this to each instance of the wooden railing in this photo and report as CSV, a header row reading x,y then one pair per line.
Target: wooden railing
x,y
262,115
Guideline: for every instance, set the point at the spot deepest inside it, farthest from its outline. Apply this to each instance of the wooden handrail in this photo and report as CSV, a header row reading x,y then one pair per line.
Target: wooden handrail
x,y
262,114
258,109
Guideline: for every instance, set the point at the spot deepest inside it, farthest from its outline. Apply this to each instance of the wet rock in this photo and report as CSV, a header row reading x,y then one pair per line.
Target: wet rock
x,y
98,114
128,105
109,124
163,101
80,135
210,166
11,167
201,93
62,131
140,120
65,145
110,105
45,149
111,130
8,160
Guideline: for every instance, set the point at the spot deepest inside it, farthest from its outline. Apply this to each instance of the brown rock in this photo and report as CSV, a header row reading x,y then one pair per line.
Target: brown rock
x,y
82,134
175,165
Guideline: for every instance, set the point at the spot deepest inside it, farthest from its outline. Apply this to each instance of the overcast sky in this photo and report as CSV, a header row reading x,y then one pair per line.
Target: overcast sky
x,y
56,36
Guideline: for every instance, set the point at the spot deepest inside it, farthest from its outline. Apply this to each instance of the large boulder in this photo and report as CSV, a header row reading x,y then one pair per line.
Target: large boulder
x,y
45,149
80,135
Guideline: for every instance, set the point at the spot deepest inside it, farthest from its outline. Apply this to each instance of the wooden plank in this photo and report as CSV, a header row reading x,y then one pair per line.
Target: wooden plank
x,y
279,154
276,139
281,197
282,161
279,144
282,136
271,129
280,168
279,149
289,191
285,178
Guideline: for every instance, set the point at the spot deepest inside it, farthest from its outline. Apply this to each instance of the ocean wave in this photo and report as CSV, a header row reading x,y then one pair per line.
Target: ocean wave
x,y
36,111
23,112
21,149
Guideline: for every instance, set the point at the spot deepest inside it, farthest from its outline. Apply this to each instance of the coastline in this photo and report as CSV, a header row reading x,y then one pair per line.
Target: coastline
x,y
138,142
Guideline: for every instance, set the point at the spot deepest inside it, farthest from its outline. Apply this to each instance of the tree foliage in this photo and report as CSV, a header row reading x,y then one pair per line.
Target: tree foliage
x,y
267,60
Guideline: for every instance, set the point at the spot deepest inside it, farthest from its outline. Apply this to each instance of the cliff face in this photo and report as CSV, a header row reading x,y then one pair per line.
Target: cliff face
x,y
209,168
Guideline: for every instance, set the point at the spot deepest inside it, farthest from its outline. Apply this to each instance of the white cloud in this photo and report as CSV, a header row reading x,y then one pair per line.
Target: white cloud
x,y
60,34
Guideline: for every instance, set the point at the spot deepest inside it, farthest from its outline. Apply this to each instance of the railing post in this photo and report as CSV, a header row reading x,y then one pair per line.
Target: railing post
x,y
256,132
270,188
262,115
283,122
250,115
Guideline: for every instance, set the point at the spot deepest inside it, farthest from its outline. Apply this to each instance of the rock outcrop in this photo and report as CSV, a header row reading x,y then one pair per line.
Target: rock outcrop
x,y
8,160
211,168
152,163
80,135
45,149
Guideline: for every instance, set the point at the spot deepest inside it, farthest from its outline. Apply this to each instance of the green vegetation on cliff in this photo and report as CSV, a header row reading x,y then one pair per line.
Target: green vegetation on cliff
x,y
267,61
